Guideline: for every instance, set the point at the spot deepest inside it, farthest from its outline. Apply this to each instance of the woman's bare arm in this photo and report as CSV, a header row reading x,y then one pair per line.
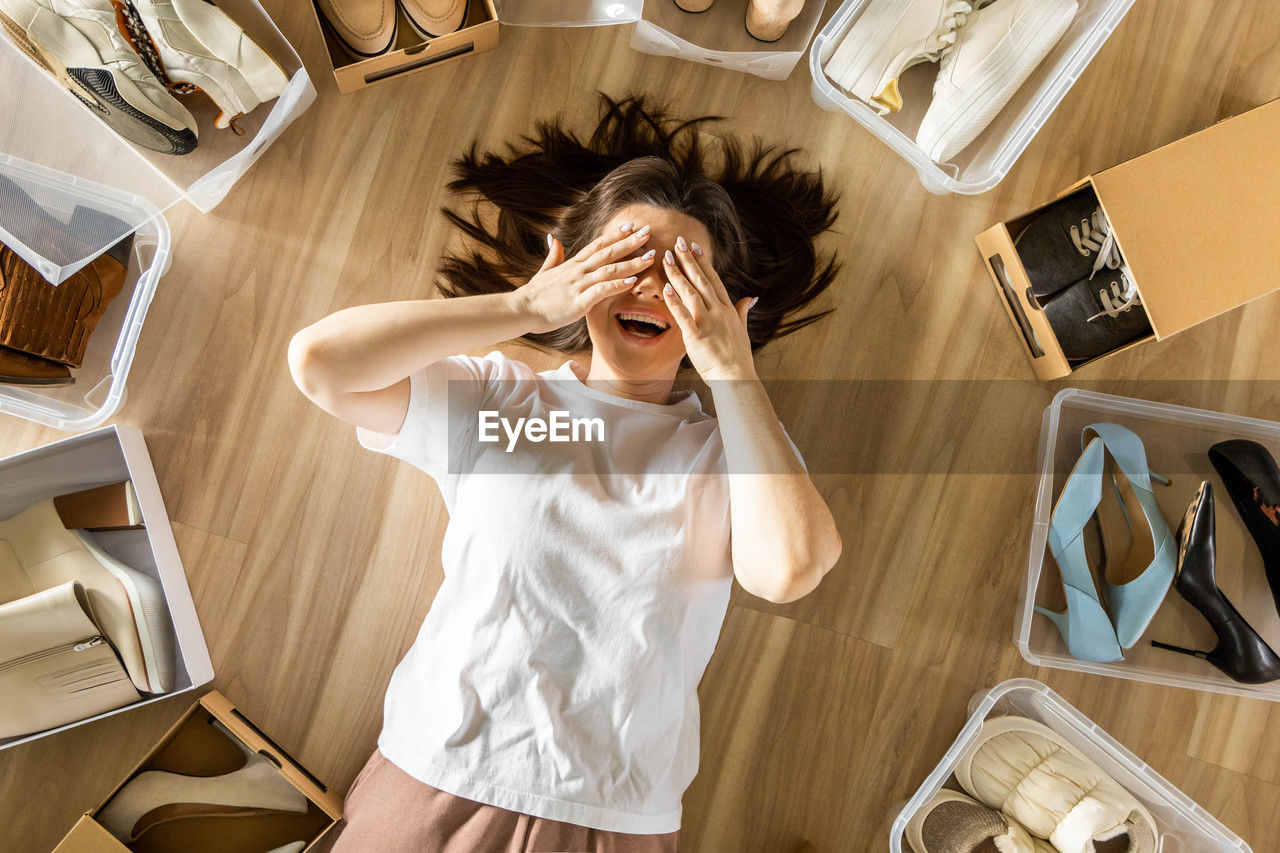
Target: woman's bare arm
x,y
355,364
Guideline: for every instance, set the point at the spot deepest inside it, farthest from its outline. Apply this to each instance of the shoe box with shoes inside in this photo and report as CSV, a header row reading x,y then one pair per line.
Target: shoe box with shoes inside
x,y
957,87
96,616
1155,546
1145,249
372,41
1029,773
69,328
215,783
163,98
766,38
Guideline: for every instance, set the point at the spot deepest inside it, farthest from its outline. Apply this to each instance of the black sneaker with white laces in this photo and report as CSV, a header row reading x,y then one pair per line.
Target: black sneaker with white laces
x,y
1066,242
1097,315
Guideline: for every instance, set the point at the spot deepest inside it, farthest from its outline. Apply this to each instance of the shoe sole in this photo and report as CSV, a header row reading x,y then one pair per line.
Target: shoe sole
x,y
147,604
1011,62
425,35
238,75
915,826
992,729
869,37
58,48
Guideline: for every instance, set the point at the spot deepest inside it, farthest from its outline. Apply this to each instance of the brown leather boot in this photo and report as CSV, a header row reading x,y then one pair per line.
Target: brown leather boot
x,y
51,322
767,20
20,368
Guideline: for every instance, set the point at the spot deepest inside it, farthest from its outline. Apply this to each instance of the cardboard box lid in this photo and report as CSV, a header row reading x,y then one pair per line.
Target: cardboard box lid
x,y
1198,221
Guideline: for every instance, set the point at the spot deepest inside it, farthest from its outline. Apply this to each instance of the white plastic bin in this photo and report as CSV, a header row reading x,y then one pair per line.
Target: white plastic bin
x,y
99,387
45,124
97,458
1183,825
986,161
719,37
1177,440
568,13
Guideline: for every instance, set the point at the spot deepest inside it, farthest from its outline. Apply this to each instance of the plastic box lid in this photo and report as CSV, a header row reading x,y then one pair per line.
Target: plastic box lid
x,y
569,13
46,125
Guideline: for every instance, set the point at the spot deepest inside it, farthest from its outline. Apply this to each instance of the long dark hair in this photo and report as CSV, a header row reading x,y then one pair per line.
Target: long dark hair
x,y
762,211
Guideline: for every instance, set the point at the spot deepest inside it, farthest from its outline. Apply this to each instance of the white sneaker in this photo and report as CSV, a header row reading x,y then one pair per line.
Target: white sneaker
x,y
201,48
79,43
996,50
889,37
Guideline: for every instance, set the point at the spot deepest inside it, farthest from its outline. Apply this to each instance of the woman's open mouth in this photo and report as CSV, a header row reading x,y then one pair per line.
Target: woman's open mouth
x,y
641,325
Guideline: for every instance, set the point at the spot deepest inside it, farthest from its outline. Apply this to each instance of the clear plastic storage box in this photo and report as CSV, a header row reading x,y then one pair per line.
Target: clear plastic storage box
x,y
99,387
986,161
568,13
1177,440
719,37
1183,825
46,125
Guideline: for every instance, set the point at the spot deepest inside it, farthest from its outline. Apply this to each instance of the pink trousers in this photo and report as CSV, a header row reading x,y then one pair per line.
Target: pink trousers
x,y
388,811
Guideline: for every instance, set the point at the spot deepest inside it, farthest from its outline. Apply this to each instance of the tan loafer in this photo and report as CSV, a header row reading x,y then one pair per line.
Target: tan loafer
x,y
431,18
365,27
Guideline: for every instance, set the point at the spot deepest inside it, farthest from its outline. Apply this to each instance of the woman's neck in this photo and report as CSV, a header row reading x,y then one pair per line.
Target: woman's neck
x,y
603,378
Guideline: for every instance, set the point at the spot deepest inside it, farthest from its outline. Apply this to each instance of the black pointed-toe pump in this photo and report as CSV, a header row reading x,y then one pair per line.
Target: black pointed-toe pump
x,y
1240,653
1252,479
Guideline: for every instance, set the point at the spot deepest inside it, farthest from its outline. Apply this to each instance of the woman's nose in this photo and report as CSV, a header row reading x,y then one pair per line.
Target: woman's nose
x,y
650,283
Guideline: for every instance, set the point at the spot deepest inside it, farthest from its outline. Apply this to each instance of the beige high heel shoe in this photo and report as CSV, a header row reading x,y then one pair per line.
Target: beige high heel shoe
x,y
154,797
767,20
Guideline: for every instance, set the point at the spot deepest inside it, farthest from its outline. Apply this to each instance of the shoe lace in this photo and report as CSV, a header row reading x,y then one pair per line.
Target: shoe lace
x,y
1093,236
956,16
1118,298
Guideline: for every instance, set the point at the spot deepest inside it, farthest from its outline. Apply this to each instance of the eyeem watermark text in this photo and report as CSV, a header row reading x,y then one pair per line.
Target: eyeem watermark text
x,y
559,427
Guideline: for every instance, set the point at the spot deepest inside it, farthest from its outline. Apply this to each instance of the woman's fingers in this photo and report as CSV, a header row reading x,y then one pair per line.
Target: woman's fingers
x,y
699,270
679,312
605,289
555,253
688,293
620,269
612,246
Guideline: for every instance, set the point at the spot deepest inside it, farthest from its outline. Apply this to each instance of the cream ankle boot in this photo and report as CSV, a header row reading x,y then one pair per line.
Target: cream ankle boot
x,y
38,553
1032,774
767,20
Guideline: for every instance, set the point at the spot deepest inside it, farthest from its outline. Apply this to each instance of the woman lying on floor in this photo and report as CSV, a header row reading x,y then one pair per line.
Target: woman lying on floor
x,y
550,700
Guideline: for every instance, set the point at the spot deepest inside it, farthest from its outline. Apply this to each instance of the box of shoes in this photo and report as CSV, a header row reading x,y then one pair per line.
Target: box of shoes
x,y
1089,788
1145,249
957,90
215,783
92,622
370,43
754,36
69,328
1227,592
169,99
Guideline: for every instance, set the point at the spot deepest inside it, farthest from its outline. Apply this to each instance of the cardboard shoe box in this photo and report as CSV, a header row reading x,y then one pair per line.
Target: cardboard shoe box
x,y
195,746
410,53
1198,224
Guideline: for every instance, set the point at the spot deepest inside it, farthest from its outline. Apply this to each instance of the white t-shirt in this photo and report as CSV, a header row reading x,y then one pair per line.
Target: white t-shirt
x,y
585,584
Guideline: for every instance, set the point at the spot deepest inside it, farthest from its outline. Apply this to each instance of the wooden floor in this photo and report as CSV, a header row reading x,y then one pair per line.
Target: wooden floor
x,y
313,562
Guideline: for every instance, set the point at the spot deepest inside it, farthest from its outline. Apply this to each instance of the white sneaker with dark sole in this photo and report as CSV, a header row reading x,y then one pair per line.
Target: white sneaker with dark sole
x,y
889,37
995,51
81,45
201,48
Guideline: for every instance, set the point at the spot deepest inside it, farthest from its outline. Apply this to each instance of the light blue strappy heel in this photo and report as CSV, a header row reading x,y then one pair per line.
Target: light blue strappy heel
x,y
1133,603
1110,452
1084,624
